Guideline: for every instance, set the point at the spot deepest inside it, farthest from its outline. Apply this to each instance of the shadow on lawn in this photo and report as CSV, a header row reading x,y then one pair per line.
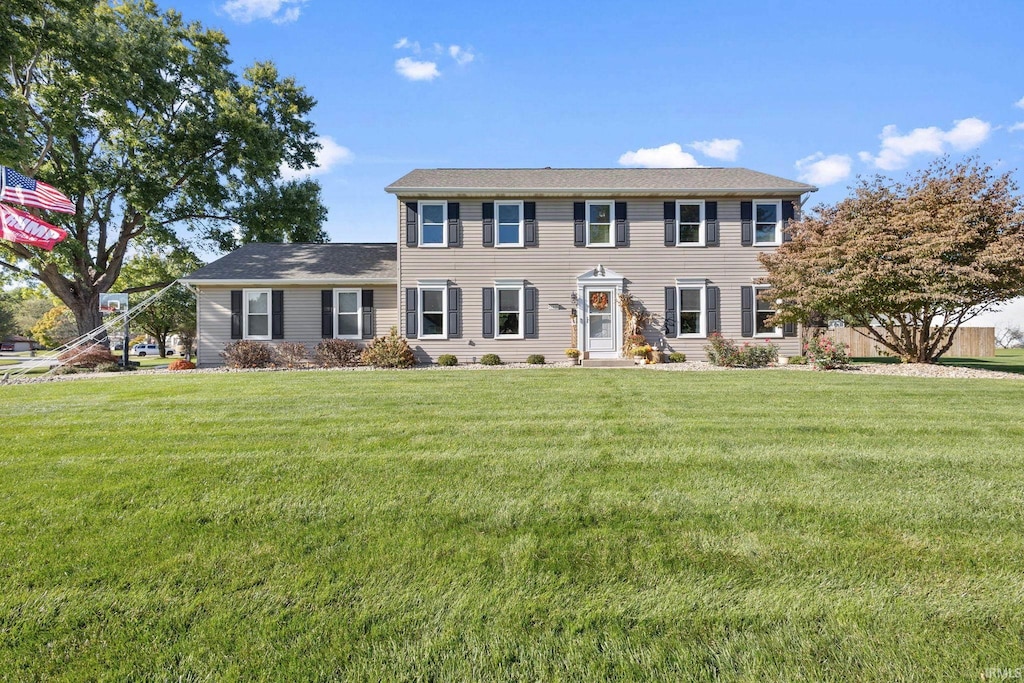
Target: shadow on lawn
x,y
1005,360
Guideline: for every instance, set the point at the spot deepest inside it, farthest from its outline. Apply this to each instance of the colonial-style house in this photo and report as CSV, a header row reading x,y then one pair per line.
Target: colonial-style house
x,y
523,261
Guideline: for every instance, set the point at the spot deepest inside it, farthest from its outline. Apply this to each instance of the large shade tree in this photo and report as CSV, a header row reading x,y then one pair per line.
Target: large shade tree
x,y
909,262
138,116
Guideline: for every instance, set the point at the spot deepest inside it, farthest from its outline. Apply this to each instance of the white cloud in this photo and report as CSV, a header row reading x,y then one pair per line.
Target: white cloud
x,y
1015,127
666,156
822,170
277,11
460,55
414,70
330,155
1019,103
404,43
897,149
718,148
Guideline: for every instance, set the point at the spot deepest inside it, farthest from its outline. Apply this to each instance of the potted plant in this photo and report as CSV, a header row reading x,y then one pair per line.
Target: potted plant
x,y
640,353
573,355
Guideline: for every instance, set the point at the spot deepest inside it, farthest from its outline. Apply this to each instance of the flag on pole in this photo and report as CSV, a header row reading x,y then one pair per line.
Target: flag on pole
x,y
20,189
24,228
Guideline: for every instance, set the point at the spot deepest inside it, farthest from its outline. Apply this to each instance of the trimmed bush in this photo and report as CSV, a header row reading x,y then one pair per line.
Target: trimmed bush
x,y
676,357
88,357
535,359
246,354
825,354
181,365
490,359
337,353
724,352
292,354
447,360
798,360
390,351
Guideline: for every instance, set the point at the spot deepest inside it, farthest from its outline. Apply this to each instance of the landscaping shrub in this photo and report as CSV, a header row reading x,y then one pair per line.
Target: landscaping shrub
x,y
676,357
724,352
798,360
292,354
181,364
490,359
826,354
447,360
535,359
88,356
337,353
248,354
390,351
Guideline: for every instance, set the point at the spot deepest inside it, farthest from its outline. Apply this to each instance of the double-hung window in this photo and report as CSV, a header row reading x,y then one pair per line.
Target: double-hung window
x,y
433,318
600,220
768,222
510,223
690,224
692,309
433,224
348,314
509,311
762,311
257,314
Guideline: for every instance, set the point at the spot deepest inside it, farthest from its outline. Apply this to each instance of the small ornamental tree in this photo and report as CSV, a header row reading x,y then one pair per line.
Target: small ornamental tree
x,y
908,262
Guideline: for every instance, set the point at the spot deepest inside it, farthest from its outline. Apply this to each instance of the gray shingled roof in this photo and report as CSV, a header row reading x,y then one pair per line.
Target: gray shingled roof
x,y
554,180
369,262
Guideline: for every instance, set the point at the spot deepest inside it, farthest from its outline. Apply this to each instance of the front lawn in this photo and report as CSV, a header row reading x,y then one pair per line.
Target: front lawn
x,y
535,525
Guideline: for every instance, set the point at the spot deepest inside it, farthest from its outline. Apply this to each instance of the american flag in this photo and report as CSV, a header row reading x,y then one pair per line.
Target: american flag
x,y
20,189
24,228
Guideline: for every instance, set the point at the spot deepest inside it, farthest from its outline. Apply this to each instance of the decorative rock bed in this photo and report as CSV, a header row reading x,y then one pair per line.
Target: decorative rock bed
x,y
891,369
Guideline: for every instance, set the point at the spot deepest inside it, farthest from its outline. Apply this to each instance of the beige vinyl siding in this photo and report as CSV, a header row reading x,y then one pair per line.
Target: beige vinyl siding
x,y
302,316
647,265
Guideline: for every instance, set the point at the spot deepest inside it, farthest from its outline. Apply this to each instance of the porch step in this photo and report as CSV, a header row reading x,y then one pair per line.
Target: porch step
x,y
608,363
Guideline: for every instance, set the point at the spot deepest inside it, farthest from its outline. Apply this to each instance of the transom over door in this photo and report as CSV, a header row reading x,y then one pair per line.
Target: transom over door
x,y
600,323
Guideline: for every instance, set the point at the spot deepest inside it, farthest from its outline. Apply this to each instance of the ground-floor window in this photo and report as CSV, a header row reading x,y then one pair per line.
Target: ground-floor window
x,y
692,311
509,312
763,311
347,319
432,312
257,314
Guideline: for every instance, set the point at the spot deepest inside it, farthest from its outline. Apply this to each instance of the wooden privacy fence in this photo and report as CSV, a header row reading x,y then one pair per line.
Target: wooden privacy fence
x,y
974,342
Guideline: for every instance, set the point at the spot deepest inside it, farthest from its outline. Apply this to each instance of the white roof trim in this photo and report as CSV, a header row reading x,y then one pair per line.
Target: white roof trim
x,y
516,191
200,282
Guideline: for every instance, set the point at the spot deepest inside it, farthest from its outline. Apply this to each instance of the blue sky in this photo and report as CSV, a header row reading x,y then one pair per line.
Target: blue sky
x,y
402,85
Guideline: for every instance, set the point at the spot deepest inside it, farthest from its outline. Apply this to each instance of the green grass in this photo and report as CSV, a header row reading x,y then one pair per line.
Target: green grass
x,y
533,525
1005,360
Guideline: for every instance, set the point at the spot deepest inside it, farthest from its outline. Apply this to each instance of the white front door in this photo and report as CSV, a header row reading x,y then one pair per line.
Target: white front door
x,y
601,331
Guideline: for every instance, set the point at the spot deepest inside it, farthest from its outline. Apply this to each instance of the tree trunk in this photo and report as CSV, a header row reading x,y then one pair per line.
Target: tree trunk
x,y
86,309
161,344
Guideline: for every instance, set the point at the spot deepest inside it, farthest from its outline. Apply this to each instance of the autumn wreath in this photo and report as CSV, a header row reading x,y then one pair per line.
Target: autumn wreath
x,y
599,300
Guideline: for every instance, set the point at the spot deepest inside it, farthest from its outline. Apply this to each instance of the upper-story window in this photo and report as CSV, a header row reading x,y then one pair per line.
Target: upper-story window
x,y
767,222
600,219
690,223
510,223
433,224
257,314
